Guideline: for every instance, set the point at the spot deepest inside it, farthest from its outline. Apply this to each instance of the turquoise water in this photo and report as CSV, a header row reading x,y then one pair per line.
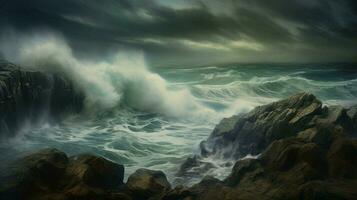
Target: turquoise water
x,y
160,125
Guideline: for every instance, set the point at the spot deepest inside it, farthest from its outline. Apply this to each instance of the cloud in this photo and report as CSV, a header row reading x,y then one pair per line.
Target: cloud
x,y
297,30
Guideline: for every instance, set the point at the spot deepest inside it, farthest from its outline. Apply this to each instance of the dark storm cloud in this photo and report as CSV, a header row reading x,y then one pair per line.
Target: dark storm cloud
x,y
241,30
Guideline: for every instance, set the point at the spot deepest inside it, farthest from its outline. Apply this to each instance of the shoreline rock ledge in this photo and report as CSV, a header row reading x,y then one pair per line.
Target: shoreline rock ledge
x,y
301,115
307,151
31,96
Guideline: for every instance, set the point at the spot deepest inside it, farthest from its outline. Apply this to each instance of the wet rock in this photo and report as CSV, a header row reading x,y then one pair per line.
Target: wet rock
x,y
50,174
342,159
352,113
144,183
27,95
241,168
96,171
177,193
194,166
35,173
301,115
320,190
251,133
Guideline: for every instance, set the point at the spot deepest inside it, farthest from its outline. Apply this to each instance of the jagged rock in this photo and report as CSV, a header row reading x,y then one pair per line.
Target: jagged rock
x,y
144,183
290,168
30,95
300,115
253,132
302,145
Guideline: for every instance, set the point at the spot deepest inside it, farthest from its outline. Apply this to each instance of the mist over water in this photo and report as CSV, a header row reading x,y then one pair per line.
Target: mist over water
x,y
155,118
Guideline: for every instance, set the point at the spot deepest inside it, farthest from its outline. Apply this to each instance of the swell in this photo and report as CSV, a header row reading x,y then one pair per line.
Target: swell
x,y
276,87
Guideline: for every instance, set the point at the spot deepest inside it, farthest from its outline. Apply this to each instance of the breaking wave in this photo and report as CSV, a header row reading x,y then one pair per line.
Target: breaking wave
x,y
121,80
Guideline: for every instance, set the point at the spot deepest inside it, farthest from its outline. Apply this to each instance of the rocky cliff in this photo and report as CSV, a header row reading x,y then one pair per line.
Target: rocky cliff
x,y
30,96
301,115
307,151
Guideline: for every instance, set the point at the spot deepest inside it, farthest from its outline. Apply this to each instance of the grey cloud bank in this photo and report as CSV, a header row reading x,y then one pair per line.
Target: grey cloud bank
x,y
196,32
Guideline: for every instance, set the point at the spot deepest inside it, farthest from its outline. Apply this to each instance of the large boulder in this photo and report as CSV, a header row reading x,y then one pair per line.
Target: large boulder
x,y
145,183
34,174
96,171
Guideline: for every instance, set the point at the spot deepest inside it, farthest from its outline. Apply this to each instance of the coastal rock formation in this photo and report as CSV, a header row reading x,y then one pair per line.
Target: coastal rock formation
x,y
29,96
50,174
249,134
317,161
289,168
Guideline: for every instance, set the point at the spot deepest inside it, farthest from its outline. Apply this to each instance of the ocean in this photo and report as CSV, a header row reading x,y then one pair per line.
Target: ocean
x,y
155,118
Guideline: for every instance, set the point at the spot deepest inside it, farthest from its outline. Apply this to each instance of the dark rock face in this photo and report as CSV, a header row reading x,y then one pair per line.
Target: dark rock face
x,y
306,153
290,168
352,113
145,183
300,115
253,132
29,96
50,174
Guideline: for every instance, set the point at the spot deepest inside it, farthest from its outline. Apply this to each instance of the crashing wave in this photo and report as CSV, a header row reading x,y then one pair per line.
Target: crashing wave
x,y
122,80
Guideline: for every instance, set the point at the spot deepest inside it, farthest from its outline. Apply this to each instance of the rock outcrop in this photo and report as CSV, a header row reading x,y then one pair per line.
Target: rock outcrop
x,y
251,133
29,96
50,174
300,115
290,168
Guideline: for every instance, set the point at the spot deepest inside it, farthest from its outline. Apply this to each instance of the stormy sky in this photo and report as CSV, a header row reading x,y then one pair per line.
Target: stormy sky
x,y
195,32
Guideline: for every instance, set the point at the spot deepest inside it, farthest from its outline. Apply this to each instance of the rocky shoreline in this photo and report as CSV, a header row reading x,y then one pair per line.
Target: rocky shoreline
x,y
29,96
304,151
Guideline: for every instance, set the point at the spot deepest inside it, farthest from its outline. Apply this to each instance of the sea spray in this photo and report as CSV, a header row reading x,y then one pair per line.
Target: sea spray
x,y
122,79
